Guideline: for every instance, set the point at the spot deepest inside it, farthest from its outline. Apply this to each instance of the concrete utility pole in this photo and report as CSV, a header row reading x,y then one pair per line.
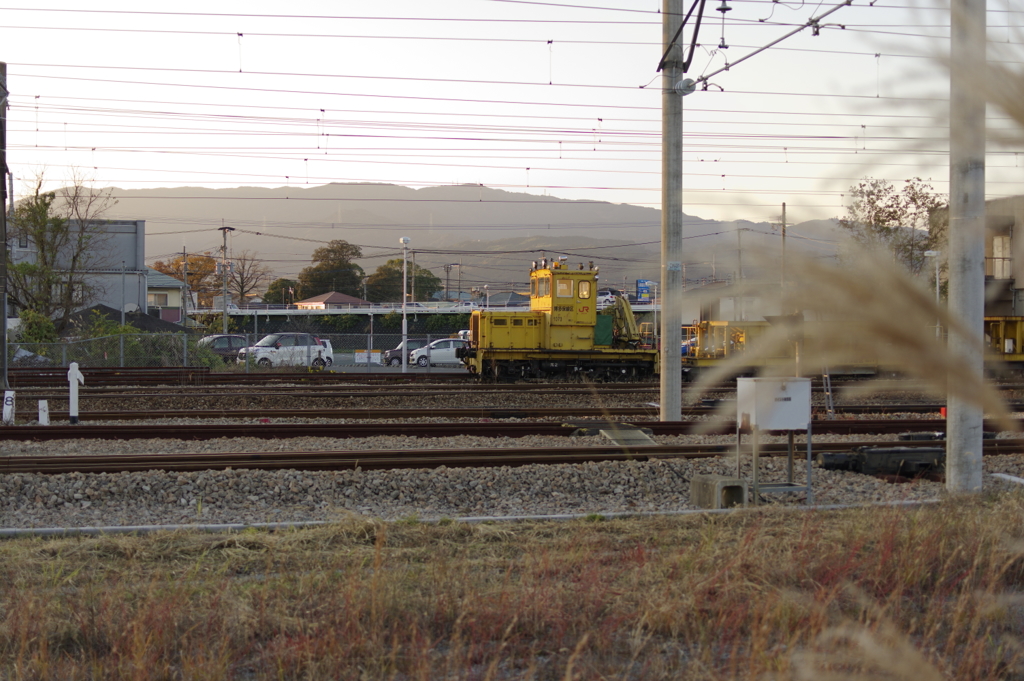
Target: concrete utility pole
x,y
405,321
184,285
3,224
671,216
224,272
782,284
966,234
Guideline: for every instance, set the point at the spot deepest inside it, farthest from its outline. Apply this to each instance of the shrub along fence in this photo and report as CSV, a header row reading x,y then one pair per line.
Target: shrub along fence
x,y
181,349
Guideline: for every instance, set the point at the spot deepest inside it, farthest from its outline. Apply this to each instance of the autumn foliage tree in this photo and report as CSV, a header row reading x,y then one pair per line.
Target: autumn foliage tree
x,y
201,269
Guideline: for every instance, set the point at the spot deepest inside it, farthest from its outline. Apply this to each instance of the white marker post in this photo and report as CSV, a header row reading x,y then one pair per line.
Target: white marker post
x,y
8,408
44,413
74,378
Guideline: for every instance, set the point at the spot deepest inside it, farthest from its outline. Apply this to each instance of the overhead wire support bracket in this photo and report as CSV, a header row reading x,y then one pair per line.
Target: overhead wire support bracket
x,y
812,22
693,40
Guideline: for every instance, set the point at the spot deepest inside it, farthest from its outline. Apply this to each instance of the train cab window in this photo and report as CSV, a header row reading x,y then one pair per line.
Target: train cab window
x,y
531,322
500,322
517,322
544,287
584,290
533,288
563,288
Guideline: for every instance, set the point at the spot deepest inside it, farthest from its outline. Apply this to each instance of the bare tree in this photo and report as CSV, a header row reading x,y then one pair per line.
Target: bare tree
x,y
61,239
906,222
248,275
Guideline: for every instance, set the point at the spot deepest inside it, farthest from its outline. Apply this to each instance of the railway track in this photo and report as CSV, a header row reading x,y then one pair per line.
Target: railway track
x,y
409,413
486,428
418,458
200,376
56,377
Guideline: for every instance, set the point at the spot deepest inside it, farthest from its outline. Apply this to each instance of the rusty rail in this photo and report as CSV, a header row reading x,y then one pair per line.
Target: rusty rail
x,y
405,458
487,428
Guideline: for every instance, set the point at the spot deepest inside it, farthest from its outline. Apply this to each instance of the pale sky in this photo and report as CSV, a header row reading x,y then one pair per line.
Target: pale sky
x,y
549,98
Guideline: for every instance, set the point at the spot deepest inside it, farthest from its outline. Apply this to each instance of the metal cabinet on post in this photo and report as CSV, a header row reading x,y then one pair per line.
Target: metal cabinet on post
x,y
774,403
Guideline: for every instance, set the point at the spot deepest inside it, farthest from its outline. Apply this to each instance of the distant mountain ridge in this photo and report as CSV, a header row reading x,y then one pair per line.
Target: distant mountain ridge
x,y
493,232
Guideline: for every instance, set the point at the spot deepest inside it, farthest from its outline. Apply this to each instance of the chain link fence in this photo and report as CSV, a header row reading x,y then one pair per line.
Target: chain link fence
x,y
352,351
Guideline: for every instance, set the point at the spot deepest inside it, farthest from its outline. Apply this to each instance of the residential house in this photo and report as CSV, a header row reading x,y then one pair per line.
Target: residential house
x,y
164,296
331,301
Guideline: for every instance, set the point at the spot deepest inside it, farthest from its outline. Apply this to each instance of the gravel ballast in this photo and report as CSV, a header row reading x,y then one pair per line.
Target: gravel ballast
x,y
253,496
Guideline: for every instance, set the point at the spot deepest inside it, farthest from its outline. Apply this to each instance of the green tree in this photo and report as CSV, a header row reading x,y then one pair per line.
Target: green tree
x,y
99,326
36,328
385,284
905,223
332,270
65,238
281,292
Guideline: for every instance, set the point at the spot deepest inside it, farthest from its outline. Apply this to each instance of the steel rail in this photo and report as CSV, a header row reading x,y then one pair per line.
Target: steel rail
x,y
362,390
202,376
419,458
370,413
486,428
54,377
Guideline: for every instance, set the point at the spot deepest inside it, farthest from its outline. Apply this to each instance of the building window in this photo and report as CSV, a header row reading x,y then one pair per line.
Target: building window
x,y
157,299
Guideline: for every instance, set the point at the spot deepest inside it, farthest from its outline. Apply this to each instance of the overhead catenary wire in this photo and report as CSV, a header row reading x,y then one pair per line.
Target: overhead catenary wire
x,y
813,22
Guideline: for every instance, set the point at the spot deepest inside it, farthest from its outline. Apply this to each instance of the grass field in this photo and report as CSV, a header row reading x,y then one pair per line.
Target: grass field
x,y
917,593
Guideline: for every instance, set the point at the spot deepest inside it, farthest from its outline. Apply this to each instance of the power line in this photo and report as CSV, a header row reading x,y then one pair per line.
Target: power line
x,y
320,17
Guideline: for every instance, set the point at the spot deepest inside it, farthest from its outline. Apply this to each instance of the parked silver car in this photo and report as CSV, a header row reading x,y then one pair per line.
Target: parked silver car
x,y
441,351
289,349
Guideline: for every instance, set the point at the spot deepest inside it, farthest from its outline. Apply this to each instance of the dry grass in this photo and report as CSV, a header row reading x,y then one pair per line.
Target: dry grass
x,y
866,310
882,593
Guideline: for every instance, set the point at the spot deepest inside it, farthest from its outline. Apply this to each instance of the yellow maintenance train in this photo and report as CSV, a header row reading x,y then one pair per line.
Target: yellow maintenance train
x,y
562,335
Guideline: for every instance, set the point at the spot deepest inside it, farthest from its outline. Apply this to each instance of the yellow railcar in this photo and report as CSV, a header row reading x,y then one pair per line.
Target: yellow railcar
x,y
709,344
562,334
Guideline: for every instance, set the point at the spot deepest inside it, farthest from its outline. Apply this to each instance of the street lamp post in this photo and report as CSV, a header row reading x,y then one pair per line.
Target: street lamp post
x,y
405,323
487,296
935,255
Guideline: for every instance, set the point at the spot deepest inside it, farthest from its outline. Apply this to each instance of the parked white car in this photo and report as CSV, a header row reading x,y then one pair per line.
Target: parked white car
x,y
289,349
441,351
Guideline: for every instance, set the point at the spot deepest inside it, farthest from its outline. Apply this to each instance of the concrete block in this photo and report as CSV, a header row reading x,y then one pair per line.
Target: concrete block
x,y
718,491
627,435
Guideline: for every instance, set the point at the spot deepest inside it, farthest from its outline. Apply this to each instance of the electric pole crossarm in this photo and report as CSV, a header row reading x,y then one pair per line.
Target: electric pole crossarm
x,y
815,21
693,40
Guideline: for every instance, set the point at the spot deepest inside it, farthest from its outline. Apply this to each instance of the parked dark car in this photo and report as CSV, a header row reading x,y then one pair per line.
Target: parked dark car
x,y
227,346
393,358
